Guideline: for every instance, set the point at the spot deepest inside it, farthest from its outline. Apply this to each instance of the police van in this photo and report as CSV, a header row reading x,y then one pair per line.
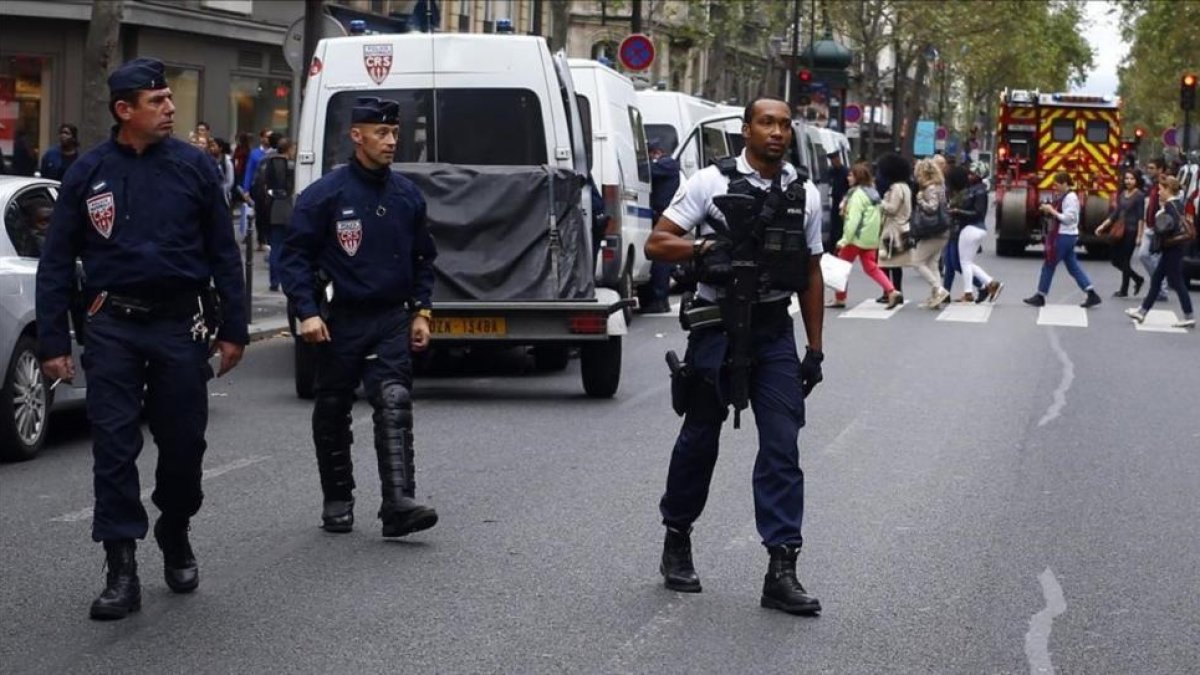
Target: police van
x,y
669,115
621,170
490,131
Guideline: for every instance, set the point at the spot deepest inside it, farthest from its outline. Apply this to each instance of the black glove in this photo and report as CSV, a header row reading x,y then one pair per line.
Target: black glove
x,y
810,370
715,264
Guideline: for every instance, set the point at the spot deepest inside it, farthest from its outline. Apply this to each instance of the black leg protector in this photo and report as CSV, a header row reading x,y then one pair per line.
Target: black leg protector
x,y
393,448
333,439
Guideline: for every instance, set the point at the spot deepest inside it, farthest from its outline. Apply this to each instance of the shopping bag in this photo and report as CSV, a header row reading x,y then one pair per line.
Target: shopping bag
x,y
836,272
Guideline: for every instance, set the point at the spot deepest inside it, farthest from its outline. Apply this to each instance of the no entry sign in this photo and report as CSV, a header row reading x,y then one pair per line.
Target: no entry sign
x,y
636,52
854,113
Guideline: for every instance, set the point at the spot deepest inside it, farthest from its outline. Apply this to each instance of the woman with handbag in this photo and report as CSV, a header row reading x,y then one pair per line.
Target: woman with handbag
x,y
931,229
860,236
1121,227
895,245
1172,232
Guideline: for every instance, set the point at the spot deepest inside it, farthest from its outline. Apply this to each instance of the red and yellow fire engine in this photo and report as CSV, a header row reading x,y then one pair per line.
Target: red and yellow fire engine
x,y
1039,135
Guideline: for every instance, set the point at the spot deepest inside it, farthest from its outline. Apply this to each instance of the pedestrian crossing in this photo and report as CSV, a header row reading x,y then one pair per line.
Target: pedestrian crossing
x,y
1066,316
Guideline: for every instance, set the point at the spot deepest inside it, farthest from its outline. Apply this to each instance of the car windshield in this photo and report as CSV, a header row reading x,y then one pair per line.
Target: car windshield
x,y
471,126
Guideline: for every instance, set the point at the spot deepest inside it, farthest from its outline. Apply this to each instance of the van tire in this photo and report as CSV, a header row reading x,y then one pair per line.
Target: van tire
x,y
625,290
600,365
305,370
24,375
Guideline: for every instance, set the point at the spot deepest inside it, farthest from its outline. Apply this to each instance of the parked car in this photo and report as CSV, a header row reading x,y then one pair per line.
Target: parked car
x,y
26,399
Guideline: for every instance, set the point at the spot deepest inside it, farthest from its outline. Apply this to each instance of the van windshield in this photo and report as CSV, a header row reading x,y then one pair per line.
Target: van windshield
x,y
664,135
471,126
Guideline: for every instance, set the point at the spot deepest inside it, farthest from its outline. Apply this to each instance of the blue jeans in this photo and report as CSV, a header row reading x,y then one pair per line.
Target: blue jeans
x,y
951,265
778,404
1064,252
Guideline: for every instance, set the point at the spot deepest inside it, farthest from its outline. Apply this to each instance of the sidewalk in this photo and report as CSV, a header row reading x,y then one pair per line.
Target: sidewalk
x,y
268,309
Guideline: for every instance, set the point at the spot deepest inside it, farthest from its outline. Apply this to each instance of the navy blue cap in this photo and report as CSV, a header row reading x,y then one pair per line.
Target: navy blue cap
x,y
140,73
372,110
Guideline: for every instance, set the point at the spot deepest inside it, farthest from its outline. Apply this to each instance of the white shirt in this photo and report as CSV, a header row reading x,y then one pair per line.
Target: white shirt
x,y
1068,222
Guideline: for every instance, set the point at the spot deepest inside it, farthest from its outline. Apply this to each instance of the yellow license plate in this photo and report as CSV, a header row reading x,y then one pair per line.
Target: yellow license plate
x,y
479,325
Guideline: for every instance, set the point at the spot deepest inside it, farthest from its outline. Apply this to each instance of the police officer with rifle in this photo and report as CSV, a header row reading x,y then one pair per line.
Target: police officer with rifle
x,y
756,221
147,215
362,227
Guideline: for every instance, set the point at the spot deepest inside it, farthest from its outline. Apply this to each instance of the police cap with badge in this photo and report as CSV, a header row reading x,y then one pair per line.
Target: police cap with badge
x,y
138,74
373,110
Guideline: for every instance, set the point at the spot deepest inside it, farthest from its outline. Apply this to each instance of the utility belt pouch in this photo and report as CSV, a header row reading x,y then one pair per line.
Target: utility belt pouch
x,y
702,316
210,305
681,376
130,309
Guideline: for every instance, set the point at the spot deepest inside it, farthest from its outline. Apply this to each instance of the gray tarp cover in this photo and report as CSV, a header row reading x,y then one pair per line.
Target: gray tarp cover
x,y
491,225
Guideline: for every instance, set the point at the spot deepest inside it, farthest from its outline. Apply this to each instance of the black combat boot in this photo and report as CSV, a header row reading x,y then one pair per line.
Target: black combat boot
x,y
334,440
679,574
781,589
400,514
179,562
122,592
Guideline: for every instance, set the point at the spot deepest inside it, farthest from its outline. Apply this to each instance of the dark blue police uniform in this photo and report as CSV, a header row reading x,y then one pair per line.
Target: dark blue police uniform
x,y
365,231
153,231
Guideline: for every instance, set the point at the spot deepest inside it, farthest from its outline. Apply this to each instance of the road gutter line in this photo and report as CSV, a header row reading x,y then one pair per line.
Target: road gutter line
x,y
1037,639
86,514
1064,385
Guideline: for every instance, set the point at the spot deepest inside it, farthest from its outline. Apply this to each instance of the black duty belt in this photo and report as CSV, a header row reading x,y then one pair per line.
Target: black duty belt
x,y
136,308
706,314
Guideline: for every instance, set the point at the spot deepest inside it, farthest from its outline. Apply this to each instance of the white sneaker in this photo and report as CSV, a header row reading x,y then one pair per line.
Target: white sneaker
x,y
1136,314
1186,323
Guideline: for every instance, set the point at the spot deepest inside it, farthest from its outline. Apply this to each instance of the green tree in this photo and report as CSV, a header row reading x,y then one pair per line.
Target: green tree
x,y
1164,43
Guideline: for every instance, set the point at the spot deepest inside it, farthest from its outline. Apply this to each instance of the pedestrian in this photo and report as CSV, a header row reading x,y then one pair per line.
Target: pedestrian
x,y
931,198
1060,243
1146,250
145,213
240,155
839,185
971,219
895,242
218,149
860,239
776,393
256,155
363,226
24,159
203,129
1127,218
664,183
1168,222
276,183
57,160
957,184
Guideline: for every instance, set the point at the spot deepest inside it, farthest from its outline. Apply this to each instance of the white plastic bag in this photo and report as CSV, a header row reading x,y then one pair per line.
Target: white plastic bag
x,y
836,272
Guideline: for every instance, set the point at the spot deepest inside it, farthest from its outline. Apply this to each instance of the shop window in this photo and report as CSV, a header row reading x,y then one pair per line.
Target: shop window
x,y
185,93
257,103
25,125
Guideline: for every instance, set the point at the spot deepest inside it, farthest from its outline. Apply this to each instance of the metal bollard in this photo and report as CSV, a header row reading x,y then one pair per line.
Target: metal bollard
x,y
248,244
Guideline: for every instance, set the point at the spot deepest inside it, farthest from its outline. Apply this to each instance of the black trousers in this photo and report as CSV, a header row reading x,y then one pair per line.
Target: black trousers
x,y
1122,255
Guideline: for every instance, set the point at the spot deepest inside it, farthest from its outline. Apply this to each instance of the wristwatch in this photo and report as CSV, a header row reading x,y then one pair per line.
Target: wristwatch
x,y
425,312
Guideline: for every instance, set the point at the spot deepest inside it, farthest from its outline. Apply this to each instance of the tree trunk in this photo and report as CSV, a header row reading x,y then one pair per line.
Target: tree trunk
x,y
99,55
918,93
560,21
715,77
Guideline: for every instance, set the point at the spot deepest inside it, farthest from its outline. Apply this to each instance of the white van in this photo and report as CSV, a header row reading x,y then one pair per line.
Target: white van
x,y
721,136
490,132
669,115
621,170
823,142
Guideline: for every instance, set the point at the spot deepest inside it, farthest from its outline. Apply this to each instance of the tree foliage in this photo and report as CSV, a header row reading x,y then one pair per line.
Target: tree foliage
x,y
1164,40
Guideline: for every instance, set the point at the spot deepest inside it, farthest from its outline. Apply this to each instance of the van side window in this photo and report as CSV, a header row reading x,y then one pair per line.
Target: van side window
x,y
471,126
639,145
665,135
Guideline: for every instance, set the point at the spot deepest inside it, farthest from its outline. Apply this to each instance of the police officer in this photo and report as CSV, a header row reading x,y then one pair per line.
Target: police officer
x,y
664,183
146,214
363,227
779,381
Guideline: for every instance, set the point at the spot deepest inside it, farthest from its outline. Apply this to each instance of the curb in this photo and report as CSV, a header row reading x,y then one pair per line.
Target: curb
x,y
268,328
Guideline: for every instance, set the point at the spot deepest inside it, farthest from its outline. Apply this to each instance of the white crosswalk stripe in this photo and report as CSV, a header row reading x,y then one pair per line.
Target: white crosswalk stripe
x,y
966,313
1159,321
1070,316
869,309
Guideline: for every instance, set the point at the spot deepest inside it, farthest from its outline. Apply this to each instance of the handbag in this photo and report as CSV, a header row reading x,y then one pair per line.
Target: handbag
x,y
927,225
1176,230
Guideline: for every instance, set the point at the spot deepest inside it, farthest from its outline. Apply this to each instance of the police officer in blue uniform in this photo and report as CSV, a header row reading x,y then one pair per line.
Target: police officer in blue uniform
x,y
148,217
779,379
363,228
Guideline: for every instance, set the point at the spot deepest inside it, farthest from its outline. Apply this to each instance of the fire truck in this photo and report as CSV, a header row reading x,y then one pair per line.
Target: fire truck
x,y
1039,135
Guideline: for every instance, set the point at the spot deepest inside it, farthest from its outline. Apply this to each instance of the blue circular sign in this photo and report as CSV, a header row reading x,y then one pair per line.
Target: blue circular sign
x,y
636,52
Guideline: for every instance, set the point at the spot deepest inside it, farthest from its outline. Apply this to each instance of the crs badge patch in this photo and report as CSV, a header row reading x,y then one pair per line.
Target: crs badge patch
x,y
102,211
378,61
349,234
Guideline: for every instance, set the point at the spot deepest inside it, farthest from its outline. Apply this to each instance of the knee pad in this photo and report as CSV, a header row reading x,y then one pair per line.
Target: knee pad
x,y
393,402
331,412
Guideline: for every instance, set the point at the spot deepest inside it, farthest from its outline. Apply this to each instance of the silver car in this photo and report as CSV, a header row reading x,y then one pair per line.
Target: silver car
x,y
25,397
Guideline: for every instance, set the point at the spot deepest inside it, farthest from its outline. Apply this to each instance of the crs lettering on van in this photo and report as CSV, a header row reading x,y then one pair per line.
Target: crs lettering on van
x,y
621,171
490,133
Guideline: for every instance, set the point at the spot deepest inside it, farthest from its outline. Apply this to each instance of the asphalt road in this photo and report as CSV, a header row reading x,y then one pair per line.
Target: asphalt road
x,y
997,497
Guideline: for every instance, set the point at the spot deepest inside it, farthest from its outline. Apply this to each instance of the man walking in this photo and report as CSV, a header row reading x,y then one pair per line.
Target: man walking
x,y
146,214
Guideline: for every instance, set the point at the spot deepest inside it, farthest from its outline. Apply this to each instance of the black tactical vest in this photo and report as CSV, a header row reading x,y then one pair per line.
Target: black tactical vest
x,y
782,251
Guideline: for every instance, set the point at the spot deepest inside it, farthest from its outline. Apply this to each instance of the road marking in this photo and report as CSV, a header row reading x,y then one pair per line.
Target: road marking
x,y
869,309
966,313
1068,377
86,514
1159,321
1070,316
1037,639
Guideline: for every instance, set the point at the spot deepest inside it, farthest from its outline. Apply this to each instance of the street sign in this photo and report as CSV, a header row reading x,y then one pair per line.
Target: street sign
x,y
293,41
854,113
923,139
636,52
1170,137
942,133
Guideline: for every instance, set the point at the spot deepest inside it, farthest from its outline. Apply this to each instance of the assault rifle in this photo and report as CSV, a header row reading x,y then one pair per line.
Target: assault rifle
x,y
740,213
